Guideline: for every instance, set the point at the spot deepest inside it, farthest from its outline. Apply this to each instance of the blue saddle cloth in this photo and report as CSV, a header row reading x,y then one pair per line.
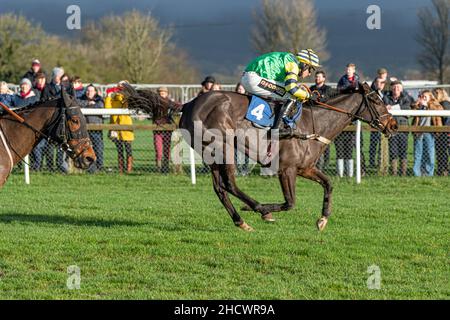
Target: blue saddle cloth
x,y
261,114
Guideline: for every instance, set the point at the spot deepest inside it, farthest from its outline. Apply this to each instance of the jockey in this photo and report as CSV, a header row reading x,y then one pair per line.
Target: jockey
x,y
275,75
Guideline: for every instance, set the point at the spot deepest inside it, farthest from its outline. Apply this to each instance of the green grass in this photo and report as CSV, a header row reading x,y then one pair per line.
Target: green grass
x,y
158,237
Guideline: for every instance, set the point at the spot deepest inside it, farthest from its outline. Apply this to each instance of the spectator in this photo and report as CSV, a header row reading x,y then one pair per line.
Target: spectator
x,y
398,144
344,144
443,138
240,88
53,89
378,85
424,152
207,85
40,83
216,87
123,138
6,95
382,74
26,95
162,139
345,141
67,84
325,93
42,148
91,99
350,80
34,70
78,87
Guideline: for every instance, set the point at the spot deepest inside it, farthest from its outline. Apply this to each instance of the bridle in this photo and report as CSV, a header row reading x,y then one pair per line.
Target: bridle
x,y
375,115
56,133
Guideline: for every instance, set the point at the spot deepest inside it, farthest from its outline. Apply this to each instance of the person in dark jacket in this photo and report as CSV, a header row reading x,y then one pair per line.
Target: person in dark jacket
x,y
34,70
378,85
78,88
26,96
325,93
350,80
91,99
382,74
53,89
325,90
398,144
207,85
345,141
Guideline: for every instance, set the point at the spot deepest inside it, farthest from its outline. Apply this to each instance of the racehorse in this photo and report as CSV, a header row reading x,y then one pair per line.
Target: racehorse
x,y
59,120
224,111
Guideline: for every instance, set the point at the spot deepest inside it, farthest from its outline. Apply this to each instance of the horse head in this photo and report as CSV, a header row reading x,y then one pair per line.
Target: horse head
x,y
73,132
373,111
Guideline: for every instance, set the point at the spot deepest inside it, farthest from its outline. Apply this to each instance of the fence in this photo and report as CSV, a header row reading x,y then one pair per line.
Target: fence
x,y
357,152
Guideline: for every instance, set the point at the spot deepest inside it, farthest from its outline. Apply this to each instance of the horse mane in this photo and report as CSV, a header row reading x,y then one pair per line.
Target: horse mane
x,y
145,100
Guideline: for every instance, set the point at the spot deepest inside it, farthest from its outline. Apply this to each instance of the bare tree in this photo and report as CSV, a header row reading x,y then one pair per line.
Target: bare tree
x,y
288,25
434,38
131,44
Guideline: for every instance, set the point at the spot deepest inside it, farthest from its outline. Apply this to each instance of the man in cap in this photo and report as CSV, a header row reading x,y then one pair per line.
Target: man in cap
x,y
35,68
207,85
53,89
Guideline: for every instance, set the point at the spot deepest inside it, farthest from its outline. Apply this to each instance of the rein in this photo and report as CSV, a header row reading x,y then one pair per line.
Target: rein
x,y
58,142
375,122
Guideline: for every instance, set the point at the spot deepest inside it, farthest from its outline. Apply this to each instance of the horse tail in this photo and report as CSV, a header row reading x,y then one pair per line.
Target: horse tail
x,y
147,101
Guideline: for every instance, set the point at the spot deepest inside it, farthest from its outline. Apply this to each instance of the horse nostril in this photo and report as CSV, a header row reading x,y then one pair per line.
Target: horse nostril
x,y
90,159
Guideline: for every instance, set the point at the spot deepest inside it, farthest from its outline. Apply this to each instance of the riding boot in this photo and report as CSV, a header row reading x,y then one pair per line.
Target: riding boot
x,y
120,162
349,167
404,167
129,164
284,132
340,167
394,167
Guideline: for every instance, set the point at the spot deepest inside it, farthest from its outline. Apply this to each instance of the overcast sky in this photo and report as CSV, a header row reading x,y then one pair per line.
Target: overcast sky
x,y
216,33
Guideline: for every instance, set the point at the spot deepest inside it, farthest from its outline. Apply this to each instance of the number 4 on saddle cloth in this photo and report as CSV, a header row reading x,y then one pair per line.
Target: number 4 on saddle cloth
x,y
261,113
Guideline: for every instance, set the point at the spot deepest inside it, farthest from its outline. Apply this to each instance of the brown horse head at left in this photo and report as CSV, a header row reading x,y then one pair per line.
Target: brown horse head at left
x,y
375,112
73,132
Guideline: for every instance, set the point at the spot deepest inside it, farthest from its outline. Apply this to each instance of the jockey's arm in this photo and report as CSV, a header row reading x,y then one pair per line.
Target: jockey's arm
x,y
291,82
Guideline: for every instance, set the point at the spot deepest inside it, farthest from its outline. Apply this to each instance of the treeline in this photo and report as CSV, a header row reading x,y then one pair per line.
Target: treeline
x,y
131,46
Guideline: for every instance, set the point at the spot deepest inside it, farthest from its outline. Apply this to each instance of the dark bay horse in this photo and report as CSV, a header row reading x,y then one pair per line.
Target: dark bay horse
x,y
60,121
224,111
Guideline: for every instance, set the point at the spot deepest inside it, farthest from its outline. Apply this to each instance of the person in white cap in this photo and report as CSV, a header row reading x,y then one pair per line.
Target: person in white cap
x,y
35,68
26,95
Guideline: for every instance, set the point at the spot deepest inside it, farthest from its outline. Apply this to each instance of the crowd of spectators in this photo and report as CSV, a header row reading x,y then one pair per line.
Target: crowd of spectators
x,y
428,147
426,144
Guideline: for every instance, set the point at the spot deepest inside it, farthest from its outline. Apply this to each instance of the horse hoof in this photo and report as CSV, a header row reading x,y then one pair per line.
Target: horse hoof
x,y
322,223
244,226
268,217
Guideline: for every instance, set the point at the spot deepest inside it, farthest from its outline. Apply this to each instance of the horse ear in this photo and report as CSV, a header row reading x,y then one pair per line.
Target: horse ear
x,y
365,88
66,97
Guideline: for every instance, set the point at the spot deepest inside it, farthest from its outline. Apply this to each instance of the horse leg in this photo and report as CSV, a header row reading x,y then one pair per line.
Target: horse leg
x,y
223,196
316,175
229,182
287,179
